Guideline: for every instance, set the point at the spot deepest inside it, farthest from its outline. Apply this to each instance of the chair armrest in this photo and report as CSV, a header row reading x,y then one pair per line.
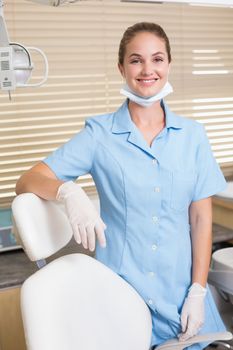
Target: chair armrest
x,y
175,344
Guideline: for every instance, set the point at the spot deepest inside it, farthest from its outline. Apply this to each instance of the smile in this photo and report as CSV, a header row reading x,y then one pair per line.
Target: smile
x,y
147,80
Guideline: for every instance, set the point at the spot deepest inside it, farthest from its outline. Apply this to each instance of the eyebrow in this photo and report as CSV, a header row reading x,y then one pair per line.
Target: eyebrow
x,y
154,54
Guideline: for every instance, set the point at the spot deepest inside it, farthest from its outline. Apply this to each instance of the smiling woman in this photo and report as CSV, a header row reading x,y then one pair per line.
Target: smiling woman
x,y
155,173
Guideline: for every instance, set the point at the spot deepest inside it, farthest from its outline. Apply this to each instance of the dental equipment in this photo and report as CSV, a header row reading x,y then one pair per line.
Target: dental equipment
x,y
15,61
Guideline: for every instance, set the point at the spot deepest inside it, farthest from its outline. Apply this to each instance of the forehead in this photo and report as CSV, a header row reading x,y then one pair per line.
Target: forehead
x,y
145,42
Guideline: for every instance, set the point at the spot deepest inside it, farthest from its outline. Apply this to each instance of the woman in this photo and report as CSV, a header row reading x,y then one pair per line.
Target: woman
x,y
155,175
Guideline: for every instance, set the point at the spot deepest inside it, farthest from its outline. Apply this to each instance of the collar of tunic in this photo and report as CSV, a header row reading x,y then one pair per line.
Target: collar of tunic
x,y
123,123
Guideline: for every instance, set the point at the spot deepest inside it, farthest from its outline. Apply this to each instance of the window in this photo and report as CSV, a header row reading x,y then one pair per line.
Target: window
x,y
81,42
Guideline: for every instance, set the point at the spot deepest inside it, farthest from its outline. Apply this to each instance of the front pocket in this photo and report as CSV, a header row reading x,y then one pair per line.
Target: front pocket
x,y
182,190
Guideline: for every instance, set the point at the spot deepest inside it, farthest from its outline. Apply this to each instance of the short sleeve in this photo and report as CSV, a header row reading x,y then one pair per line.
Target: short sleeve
x,y
210,179
75,157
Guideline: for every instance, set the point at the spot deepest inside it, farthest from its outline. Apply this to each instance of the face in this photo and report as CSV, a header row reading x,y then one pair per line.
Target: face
x,y
146,65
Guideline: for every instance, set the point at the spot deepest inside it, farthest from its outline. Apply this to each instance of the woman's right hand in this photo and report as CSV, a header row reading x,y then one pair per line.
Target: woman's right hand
x,y
84,218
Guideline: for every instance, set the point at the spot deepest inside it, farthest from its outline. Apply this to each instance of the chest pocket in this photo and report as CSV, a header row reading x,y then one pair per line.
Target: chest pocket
x,y
182,190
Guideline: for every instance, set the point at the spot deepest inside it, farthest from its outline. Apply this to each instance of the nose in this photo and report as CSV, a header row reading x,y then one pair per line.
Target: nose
x,y
147,69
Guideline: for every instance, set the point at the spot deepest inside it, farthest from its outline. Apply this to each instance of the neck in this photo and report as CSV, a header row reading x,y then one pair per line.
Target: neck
x,y
153,115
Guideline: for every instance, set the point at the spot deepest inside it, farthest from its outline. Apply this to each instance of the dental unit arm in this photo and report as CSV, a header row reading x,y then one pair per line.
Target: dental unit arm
x,y
15,61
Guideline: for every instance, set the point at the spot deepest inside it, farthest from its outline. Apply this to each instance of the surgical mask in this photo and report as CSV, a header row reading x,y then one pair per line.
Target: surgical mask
x,y
146,101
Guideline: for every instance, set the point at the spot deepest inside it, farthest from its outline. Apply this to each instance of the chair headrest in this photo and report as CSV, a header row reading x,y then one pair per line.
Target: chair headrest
x,y
42,226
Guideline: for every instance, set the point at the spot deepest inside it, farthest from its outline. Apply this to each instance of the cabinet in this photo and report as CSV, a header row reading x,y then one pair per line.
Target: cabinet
x,y
11,326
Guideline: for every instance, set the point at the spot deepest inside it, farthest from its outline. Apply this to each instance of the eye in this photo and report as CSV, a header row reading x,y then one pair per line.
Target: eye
x,y
158,59
135,61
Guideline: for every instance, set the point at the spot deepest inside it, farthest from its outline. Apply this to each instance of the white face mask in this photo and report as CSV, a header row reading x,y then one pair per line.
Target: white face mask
x,y
146,101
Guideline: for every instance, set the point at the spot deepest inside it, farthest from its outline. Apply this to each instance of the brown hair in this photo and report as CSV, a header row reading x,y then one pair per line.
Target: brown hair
x,y
131,32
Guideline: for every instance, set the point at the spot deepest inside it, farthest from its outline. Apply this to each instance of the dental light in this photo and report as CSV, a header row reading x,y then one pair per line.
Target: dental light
x,y
15,61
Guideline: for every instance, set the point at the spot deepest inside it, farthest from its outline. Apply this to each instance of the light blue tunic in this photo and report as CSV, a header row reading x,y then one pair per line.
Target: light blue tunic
x,y
145,193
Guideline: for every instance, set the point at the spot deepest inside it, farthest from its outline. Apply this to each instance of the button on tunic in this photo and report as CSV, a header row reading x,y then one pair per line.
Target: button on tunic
x,y
145,193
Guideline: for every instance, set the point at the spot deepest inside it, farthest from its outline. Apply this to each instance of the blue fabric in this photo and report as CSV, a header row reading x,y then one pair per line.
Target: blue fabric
x,y
145,193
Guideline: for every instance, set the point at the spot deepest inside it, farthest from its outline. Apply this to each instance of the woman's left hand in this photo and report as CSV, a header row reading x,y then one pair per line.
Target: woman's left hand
x,y
193,312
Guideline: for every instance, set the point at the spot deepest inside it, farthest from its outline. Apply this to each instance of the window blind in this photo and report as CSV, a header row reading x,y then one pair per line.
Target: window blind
x,y
81,42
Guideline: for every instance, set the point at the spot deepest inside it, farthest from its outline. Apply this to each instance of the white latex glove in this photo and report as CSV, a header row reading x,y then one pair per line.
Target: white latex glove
x,y
193,312
84,218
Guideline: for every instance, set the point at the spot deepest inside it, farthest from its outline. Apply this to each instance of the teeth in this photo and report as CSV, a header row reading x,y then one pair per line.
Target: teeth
x,y
148,81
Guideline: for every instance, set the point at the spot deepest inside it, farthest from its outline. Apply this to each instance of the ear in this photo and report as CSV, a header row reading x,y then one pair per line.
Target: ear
x,y
121,69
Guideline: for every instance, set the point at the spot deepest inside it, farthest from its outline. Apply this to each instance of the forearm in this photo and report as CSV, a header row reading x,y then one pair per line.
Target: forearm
x,y
39,180
201,233
201,248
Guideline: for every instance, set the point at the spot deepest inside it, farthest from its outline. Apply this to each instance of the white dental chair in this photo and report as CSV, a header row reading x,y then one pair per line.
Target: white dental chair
x,y
75,302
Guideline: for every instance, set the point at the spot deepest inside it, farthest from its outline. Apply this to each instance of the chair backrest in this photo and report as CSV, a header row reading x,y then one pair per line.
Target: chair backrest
x,y
42,226
77,303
